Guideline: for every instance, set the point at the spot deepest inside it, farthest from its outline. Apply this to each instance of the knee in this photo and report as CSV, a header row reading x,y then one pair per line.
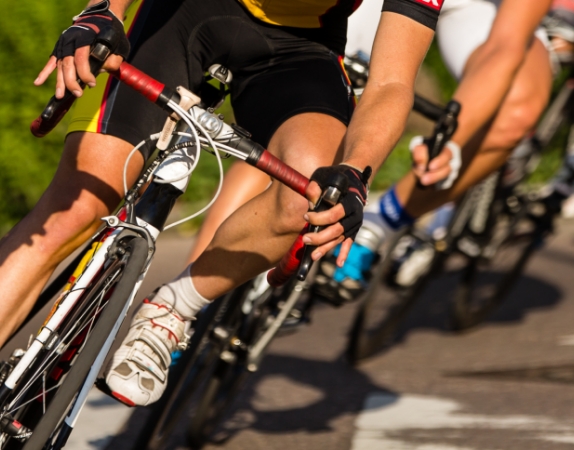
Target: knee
x,y
289,211
518,116
67,223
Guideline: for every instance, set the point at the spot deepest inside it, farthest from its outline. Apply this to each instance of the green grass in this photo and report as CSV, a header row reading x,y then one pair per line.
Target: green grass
x,y
396,165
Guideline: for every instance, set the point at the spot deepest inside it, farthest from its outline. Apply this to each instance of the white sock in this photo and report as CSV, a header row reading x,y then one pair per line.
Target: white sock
x,y
181,295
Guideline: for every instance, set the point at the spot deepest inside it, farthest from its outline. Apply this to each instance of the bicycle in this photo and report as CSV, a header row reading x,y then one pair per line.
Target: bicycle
x,y
494,230
43,388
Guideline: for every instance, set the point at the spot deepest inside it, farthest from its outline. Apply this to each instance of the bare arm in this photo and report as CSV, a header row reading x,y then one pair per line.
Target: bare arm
x,y
491,69
379,120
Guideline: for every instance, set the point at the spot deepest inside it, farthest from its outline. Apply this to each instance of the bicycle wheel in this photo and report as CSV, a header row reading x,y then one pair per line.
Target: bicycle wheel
x,y
58,373
411,262
489,264
395,285
227,369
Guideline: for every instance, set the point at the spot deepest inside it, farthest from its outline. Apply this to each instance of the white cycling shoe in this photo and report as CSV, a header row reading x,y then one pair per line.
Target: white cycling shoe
x,y
137,373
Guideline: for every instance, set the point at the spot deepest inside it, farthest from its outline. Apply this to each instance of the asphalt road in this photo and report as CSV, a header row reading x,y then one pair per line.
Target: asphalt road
x,y
508,384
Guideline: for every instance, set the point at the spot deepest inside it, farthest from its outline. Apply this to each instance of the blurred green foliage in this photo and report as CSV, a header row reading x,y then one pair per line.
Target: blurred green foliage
x,y
442,77
28,30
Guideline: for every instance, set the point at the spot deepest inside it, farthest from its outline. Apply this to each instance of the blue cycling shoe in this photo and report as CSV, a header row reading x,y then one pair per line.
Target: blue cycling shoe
x,y
340,285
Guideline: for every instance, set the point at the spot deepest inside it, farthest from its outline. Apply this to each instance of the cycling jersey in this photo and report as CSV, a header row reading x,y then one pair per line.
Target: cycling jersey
x,y
327,13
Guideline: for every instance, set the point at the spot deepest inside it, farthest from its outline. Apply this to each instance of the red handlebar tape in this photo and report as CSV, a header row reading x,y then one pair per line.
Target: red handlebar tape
x,y
139,81
282,172
289,263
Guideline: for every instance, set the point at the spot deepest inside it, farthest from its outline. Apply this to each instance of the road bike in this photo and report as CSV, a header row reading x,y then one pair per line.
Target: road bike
x,y
44,387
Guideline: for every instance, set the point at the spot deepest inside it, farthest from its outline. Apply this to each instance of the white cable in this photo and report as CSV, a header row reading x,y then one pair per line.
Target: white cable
x,y
195,161
192,122
153,137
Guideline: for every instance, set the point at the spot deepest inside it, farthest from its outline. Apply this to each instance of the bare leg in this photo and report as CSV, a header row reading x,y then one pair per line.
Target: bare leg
x,y
256,236
242,183
87,185
519,112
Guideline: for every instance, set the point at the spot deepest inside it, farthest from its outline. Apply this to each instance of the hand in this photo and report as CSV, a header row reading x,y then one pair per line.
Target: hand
x,y
72,51
342,221
443,170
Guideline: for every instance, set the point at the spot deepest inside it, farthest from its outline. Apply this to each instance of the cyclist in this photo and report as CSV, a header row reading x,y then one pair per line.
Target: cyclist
x,y
506,77
289,91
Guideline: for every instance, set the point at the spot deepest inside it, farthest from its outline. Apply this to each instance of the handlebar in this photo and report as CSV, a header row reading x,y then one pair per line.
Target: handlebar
x,y
445,127
427,108
446,124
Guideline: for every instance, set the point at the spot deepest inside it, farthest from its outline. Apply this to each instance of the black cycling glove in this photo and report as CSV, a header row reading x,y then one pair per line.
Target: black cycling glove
x,y
354,199
87,25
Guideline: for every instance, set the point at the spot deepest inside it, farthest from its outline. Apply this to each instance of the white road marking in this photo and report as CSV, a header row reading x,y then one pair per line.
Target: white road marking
x,y
566,340
386,416
100,420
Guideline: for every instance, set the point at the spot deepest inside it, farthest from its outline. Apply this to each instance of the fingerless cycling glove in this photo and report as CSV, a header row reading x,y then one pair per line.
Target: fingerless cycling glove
x,y
87,25
354,199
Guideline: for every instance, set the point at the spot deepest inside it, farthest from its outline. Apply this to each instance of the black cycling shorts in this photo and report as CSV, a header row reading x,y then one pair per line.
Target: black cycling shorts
x,y
277,72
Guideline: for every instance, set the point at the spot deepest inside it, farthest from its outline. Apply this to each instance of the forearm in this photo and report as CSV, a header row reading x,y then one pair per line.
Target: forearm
x,y
380,117
377,125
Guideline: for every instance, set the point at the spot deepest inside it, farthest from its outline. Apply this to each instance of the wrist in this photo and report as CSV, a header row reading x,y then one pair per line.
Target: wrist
x,y
361,166
352,166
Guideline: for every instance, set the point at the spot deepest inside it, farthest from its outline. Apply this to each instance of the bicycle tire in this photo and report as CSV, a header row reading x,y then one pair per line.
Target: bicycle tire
x,y
134,262
485,284
388,313
225,376
384,306
218,394
70,335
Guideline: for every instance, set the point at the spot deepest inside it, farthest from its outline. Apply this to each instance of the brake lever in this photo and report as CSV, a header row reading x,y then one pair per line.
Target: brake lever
x,y
329,198
444,129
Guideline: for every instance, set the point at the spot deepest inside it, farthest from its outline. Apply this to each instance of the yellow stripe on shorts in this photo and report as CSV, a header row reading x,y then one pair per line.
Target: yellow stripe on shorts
x,y
88,109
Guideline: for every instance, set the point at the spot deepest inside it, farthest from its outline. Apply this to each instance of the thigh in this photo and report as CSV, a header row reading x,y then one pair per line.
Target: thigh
x,y
90,175
168,42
